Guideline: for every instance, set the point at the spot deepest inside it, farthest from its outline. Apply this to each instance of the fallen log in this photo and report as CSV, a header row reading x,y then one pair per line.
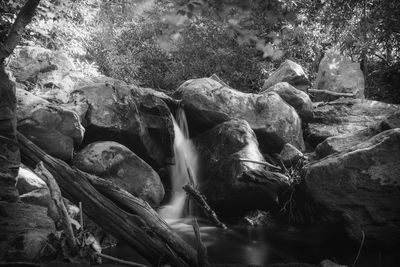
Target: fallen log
x,y
200,200
140,230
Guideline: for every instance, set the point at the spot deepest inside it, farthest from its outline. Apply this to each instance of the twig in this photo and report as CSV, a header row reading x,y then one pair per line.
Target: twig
x,y
359,250
200,200
56,196
201,248
129,263
262,163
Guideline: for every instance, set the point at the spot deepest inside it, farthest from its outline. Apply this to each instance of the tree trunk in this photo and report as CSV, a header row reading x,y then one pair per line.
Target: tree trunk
x,y
9,152
138,225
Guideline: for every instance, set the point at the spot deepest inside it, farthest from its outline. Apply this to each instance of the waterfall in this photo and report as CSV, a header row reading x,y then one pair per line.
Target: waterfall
x,y
186,159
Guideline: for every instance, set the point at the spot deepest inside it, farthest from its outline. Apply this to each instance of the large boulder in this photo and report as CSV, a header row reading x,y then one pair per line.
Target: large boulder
x,y
360,187
339,74
289,72
342,142
117,163
54,129
24,231
294,97
49,74
138,118
234,187
275,122
346,116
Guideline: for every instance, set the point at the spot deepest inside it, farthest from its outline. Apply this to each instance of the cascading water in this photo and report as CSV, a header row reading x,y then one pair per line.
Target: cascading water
x,y
186,161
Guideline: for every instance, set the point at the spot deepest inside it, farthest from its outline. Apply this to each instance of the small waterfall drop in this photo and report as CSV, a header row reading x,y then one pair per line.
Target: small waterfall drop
x,y
186,160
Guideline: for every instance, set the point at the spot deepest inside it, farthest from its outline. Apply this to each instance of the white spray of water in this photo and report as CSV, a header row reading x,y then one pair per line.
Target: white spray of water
x,y
186,160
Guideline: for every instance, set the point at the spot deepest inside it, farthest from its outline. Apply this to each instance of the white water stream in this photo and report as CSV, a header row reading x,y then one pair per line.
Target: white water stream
x,y
186,160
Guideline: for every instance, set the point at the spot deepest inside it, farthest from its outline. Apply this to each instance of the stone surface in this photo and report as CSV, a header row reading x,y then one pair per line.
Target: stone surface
x,y
294,97
28,181
290,72
208,103
24,231
234,187
54,129
360,187
338,74
138,118
342,142
346,116
290,155
117,163
49,74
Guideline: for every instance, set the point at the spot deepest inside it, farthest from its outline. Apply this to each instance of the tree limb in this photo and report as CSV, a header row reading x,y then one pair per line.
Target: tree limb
x,y
24,18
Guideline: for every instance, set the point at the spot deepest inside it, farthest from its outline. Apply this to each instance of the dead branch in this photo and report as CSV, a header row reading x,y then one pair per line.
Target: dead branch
x,y
200,200
56,196
124,262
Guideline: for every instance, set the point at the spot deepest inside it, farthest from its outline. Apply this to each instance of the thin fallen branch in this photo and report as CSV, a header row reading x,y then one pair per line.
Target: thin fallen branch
x,y
359,250
56,196
261,163
200,200
124,262
201,248
134,228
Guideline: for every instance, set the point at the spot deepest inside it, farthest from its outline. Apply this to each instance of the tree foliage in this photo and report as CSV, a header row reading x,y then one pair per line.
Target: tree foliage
x,y
160,43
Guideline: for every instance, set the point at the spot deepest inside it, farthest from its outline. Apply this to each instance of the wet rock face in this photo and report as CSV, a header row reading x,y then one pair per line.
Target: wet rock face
x,y
361,187
117,163
208,103
289,72
294,97
135,117
225,179
338,74
346,116
24,231
54,129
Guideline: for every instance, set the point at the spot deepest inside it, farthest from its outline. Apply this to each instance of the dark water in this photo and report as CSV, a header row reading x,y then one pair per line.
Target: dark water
x,y
261,246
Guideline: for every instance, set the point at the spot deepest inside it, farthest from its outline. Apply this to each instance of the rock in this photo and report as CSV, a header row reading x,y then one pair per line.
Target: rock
x,y
338,74
136,117
289,72
24,231
360,187
54,129
318,95
294,97
290,155
234,187
346,116
48,74
117,163
208,103
342,142
28,181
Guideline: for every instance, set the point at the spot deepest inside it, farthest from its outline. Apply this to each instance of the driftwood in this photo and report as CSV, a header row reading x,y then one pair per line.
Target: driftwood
x,y
200,200
56,196
142,228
